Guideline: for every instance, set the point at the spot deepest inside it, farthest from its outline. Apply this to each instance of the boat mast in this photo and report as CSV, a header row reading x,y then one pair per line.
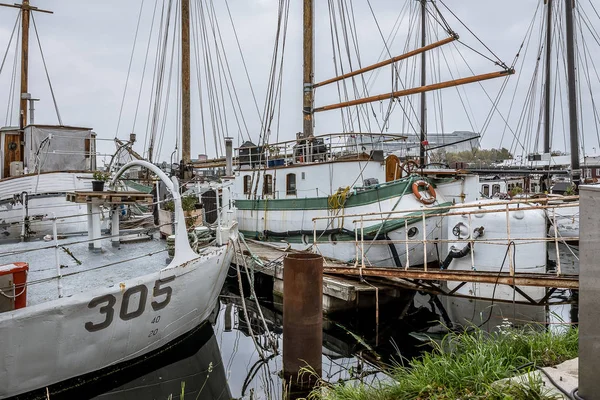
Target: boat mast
x,y
24,63
307,103
573,126
185,81
423,83
25,13
548,78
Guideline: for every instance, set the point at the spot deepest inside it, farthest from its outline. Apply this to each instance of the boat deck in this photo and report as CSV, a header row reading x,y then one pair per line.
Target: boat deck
x,y
137,255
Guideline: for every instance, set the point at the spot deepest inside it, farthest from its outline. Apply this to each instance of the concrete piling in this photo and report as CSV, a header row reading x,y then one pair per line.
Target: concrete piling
x,y
589,292
302,318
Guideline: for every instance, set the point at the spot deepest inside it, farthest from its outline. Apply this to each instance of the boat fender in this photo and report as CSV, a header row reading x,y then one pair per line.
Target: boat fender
x,y
428,188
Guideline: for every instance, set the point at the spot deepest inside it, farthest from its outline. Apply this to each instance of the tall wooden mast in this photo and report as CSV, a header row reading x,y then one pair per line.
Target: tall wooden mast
x,y
185,81
24,62
307,103
423,83
573,123
547,91
26,9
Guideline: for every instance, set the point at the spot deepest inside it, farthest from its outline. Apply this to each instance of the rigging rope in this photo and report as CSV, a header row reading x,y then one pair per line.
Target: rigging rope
x,y
137,27
46,70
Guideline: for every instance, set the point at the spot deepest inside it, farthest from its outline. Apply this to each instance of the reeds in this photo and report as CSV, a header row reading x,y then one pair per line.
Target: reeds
x,y
465,366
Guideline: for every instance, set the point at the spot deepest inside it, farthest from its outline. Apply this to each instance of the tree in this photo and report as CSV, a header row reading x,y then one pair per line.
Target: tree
x,y
479,156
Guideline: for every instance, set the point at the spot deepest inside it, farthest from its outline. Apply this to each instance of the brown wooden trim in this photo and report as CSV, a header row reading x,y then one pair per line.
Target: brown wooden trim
x,y
387,62
420,89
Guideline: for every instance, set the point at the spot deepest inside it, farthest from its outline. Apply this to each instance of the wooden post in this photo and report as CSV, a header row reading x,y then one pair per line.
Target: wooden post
x,y
307,103
185,81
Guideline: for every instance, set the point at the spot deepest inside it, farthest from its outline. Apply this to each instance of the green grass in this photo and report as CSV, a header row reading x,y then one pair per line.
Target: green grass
x,y
464,366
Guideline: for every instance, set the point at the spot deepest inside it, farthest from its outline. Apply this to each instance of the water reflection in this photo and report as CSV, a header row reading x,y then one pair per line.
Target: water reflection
x,y
221,361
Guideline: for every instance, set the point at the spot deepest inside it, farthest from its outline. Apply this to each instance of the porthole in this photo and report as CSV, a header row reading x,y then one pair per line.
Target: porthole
x,y
412,232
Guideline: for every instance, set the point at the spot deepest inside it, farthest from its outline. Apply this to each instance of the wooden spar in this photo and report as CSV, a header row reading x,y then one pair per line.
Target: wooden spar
x,y
388,62
129,150
185,81
422,161
547,92
421,89
307,101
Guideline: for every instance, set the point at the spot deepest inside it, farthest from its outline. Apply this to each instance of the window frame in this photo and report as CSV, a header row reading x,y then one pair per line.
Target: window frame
x,y
247,184
268,184
289,191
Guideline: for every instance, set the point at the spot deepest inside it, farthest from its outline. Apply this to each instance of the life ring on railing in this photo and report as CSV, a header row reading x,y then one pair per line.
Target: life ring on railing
x,y
418,193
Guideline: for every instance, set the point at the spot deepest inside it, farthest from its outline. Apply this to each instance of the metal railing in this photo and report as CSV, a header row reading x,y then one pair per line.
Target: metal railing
x,y
408,217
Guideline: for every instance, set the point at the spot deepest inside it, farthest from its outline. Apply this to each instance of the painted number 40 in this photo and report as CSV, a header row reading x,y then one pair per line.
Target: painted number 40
x,y
108,301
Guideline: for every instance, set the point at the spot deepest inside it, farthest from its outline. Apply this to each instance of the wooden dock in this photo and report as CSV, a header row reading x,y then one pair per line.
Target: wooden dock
x,y
346,286
339,292
109,197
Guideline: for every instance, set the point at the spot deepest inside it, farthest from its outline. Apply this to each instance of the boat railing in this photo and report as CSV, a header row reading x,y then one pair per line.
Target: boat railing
x,y
407,218
327,147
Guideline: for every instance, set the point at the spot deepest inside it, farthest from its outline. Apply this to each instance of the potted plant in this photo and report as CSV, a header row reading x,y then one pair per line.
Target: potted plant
x,y
99,178
192,212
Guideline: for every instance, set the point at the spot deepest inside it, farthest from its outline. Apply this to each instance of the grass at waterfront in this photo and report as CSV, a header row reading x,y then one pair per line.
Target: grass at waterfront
x,y
465,365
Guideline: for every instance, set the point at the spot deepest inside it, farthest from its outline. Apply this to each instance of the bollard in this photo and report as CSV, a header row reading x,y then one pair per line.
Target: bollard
x,y
302,318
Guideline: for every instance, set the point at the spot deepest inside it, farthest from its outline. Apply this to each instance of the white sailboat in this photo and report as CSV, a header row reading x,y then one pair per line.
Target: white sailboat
x,y
279,188
103,311
40,163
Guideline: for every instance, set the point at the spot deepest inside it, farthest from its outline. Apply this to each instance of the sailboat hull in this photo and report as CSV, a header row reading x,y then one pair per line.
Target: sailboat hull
x,y
291,221
38,198
52,341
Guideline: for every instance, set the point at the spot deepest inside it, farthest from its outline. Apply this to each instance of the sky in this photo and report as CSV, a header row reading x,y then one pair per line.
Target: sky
x,y
87,47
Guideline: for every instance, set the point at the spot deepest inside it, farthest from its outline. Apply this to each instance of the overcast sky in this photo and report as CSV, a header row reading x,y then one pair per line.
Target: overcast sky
x,y
88,44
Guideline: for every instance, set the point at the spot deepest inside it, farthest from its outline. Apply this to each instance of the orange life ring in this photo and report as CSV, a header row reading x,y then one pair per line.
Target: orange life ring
x,y
425,200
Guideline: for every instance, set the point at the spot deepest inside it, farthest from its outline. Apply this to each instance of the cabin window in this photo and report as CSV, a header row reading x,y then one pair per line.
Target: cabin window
x,y
268,184
290,184
303,176
486,190
597,172
495,189
588,173
247,184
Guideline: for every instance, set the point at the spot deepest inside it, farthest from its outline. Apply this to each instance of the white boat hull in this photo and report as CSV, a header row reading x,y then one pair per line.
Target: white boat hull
x,y
52,341
45,200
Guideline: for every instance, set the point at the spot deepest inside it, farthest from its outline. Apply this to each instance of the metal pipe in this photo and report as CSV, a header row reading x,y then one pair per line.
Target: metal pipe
x,y
228,156
56,256
302,317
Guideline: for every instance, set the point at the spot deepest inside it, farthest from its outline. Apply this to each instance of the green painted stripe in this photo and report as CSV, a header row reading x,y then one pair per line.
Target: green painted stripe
x,y
388,226
138,186
358,198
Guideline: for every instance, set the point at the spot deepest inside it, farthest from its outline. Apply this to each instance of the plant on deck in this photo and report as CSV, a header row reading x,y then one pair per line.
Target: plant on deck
x,y
465,366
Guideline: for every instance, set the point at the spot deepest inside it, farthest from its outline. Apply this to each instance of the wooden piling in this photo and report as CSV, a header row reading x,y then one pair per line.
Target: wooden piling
x,y
302,317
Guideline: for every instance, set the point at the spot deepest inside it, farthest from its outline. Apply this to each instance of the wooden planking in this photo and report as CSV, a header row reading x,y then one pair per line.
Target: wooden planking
x,y
109,197
336,286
